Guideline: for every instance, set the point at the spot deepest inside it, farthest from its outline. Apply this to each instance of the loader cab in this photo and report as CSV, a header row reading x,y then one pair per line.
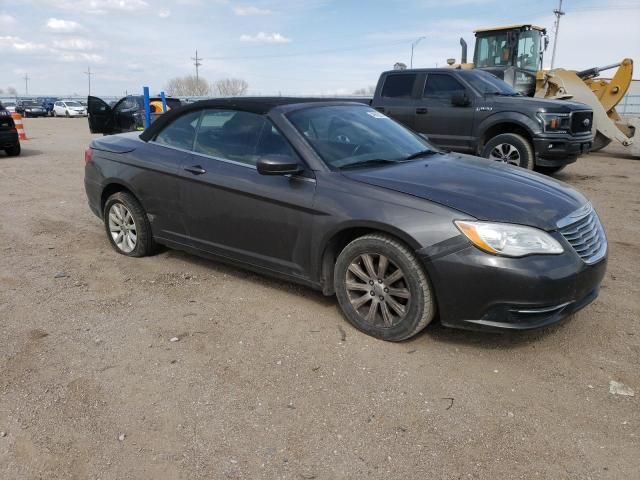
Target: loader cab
x,y
512,53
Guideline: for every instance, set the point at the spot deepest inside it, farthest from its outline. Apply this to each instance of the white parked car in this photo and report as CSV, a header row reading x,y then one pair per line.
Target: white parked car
x,y
69,108
9,105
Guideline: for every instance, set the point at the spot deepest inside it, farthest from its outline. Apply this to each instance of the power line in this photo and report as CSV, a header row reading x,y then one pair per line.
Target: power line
x,y
88,74
196,62
558,13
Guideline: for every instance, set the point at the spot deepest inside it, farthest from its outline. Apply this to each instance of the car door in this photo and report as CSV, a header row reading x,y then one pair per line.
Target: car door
x,y
100,115
446,124
157,179
233,211
396,97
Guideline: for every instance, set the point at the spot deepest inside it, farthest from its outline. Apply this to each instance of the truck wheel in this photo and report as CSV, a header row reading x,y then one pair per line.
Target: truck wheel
x,y
382,289
510,148
13,151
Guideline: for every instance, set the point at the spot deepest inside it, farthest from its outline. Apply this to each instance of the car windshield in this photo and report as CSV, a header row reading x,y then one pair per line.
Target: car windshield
x,y
487,83
348,136
73,104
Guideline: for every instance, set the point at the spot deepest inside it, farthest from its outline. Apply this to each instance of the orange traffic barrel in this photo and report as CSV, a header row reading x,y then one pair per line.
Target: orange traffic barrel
x,y
17,119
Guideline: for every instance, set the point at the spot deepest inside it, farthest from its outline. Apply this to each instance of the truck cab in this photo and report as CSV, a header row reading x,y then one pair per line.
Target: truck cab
x,y
474,112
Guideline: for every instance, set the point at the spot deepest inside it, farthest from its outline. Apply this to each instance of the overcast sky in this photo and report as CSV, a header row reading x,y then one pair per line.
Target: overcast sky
x,y
278,46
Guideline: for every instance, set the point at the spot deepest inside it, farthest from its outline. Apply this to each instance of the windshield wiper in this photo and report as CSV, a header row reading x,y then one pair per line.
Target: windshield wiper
x,y
366,163
422,153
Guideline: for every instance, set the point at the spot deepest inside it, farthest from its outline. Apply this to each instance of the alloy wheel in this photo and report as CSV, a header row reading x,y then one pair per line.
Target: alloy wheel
x,y
505,152
122,228
377,290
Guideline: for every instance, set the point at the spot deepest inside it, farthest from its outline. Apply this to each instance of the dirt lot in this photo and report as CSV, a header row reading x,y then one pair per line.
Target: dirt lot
x,y
267,380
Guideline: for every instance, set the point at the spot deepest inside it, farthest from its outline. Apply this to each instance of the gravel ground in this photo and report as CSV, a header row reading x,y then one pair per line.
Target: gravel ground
x,y
266,379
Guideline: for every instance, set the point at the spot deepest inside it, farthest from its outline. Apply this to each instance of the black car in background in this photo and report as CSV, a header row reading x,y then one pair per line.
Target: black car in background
x,y
339,197
9,140
126,115
30,108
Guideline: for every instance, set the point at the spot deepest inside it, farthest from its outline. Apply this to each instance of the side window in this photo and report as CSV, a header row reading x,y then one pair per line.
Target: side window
x,y
181,132
231,135
441,86
128,103
398,86
273,143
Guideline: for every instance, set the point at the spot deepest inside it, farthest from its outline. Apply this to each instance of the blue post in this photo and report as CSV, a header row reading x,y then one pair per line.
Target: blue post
x,y
164,102
147,108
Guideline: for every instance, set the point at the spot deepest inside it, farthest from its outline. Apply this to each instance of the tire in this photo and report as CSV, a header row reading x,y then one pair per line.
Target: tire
x,y
114,214
412,290
55,114
66,114
510,148
550,170
13,151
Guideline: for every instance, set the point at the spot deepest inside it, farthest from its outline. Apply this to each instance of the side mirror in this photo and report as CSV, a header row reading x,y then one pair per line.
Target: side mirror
x,y
278,165
460,100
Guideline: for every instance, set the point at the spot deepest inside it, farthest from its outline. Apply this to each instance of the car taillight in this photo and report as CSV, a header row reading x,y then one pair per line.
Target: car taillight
x,y
88,155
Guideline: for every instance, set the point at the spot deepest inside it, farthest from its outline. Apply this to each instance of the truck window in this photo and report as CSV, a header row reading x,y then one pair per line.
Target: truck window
x,y
442,86
398,86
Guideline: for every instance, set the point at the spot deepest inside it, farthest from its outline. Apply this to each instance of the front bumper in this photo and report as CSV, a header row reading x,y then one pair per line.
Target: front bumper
x,y
37,113
556,151
479,291
77,114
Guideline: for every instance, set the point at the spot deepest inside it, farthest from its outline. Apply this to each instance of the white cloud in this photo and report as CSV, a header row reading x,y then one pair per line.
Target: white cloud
x,y
20,45
251,10
80,44
265,38
62,26
98,6
6,21
164,12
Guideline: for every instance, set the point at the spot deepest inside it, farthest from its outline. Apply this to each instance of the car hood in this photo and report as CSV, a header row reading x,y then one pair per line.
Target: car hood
x,y
484,189
540,104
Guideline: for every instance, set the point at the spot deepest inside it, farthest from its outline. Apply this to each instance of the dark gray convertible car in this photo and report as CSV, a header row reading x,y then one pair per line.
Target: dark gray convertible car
x,y
337,196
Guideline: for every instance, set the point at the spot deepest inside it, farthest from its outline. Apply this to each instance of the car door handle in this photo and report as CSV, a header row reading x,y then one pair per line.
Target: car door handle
x,y
421,110
195,169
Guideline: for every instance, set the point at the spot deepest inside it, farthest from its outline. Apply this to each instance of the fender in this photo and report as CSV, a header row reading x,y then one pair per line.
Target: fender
x,y
514,118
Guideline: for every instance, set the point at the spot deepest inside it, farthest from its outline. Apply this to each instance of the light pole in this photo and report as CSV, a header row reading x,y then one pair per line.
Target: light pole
x,y
413,45
88,74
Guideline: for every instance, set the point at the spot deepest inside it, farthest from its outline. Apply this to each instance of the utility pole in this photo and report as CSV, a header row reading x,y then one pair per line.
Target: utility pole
x,y
26,84
196,62
413,45
558,13
88,74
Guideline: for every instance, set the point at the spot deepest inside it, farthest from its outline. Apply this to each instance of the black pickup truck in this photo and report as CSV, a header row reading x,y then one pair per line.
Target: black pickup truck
x,y
474,112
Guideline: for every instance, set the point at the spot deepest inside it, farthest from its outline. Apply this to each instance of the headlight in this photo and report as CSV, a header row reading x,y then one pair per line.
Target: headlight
x,y
555,122
508,239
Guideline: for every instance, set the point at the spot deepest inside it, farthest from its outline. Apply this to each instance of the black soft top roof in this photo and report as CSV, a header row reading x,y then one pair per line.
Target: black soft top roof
x,y
259,105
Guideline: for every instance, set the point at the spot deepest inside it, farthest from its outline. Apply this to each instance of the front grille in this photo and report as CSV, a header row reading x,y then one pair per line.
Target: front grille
x,y
586,235
578,120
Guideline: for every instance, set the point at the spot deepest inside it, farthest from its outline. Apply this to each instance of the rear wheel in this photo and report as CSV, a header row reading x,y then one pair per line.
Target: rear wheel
x,y
13,151
382,288
55,114
127,225
510,148
67,113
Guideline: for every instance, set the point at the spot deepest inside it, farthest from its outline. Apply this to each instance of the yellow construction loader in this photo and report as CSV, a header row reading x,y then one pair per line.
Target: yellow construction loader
x,y
515,53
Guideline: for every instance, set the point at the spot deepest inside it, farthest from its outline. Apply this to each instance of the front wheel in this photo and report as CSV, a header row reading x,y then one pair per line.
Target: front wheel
x,y
382,288
55,114
127,225
510,148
